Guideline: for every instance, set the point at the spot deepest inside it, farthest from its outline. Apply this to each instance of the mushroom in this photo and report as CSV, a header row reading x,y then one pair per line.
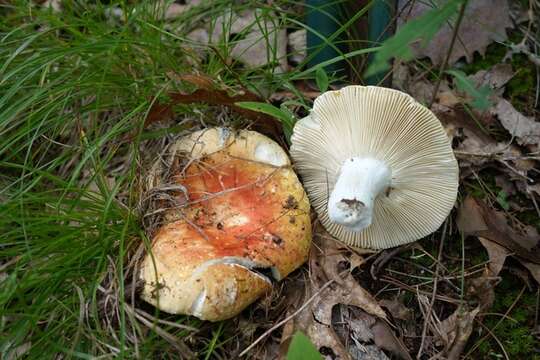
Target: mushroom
x,y
377,166
241,223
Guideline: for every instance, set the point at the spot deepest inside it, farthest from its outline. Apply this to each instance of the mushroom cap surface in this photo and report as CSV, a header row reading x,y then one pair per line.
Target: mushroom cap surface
x,y
245,223
389,126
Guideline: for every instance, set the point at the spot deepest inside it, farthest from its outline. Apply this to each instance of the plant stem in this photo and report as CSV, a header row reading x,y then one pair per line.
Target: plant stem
x,y
449,53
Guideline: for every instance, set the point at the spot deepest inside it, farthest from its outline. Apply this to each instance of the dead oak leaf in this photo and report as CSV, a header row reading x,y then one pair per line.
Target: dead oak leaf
x,y
497,255
385,339
526,130
477,219
485,21
335,287
260,40
482,289
496,77
457,329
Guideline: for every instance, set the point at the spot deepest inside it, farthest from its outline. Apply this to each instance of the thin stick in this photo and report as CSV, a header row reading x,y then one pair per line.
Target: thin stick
x,y
449,53
510,308
494,338
434,292
284,321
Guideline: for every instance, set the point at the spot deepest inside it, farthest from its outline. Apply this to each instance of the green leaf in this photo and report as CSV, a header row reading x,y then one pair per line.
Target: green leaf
x,y
423,27
301,348
285,117
322,79
502,199
480,96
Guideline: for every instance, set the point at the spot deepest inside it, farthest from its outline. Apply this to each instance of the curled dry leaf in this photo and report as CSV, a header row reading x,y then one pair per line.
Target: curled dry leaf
x,y
499,246
477,219
482,290
385,338
485,21
458,328
525,129
534,269
317,321
208,92
497,255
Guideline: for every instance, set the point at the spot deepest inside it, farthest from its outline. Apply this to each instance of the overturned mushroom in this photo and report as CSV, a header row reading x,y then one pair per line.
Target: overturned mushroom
x,y
377,165
244,224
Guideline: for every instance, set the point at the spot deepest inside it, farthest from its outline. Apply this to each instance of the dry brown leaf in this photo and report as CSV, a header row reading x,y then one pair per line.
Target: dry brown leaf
x,y
198,43
367,352
54,5
497,255
208,92
534,269
385,338
338,258
482,289
174,10
297,44
361,327
19,352
485,21
457,328
496,77
477,219
505,184
533,188
263,41
316,319
526,130
397,309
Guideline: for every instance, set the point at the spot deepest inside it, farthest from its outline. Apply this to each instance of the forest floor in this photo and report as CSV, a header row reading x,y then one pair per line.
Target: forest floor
x,y
91,94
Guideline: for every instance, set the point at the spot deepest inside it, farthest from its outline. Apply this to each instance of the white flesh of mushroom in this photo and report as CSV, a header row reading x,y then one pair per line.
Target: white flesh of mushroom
x,y
360,181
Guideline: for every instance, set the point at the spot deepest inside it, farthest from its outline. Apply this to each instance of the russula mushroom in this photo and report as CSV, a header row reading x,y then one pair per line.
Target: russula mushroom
x,y
244,224
377,166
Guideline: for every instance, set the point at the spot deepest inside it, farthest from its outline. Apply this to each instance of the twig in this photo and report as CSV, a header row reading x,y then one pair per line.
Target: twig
x,y
284,321
434,292
385,257
449,53
494,338
510,308
415,290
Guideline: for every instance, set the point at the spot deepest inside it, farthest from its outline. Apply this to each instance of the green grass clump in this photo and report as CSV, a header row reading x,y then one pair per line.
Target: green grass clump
x,y
75,89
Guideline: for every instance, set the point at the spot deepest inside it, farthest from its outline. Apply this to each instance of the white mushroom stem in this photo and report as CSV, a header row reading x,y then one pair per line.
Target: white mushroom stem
x,y
360,181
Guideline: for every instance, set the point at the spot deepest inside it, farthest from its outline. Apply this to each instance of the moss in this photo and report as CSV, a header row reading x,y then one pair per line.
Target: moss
x,y
518,89
515,335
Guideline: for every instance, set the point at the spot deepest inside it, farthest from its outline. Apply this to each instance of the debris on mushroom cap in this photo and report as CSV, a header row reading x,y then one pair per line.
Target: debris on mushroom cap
x,y
378,166
244,224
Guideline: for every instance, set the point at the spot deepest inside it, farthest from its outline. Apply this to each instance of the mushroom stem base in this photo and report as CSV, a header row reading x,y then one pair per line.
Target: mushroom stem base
x,y
359,183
